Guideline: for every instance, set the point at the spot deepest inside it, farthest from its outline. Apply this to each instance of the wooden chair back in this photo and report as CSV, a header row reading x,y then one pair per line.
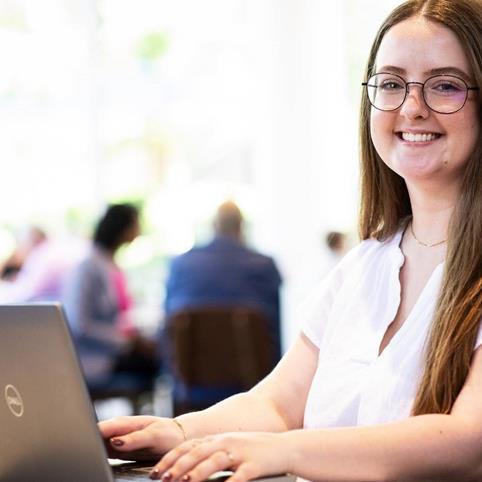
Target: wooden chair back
x,y
221,346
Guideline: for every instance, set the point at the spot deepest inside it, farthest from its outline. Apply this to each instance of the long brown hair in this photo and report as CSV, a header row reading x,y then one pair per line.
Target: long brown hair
x,y
385,208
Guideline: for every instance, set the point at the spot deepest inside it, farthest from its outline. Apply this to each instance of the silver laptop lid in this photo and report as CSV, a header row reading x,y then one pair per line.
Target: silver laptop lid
x,y
48,426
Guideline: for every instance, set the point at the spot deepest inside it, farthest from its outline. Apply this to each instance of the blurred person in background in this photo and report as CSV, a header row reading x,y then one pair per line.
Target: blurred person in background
x,y
28,240
37,269
336,247
225,273
315,265
97,304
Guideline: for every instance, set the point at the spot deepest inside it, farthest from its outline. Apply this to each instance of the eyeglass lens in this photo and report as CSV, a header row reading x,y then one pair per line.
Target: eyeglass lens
x,y
442,93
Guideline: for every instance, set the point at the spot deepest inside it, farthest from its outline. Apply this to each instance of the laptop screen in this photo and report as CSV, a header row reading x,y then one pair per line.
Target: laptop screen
x,y
47,421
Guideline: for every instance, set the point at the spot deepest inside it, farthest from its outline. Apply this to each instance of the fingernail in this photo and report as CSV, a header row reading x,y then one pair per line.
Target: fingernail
x,y
154,474
166,476
117,442
185,478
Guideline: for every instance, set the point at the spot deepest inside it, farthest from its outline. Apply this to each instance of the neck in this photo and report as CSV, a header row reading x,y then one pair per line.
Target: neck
x,y
431,215
231,236
109,253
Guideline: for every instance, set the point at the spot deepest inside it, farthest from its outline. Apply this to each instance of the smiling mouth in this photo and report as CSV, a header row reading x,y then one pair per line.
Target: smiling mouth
x,y
411,137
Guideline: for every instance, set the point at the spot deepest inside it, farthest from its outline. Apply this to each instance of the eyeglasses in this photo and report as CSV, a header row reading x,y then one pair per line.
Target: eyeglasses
x,y
444,94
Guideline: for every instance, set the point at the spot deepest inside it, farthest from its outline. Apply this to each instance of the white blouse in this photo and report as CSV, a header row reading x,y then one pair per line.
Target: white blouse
x,y
346,318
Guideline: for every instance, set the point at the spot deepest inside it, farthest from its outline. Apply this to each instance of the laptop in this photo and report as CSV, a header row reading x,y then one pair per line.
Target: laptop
x,y
48,427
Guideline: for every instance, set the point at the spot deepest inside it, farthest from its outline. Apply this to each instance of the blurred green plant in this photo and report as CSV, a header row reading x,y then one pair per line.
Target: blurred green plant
x,y
152,46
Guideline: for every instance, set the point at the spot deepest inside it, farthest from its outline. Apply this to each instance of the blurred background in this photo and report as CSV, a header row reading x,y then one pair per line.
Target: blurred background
x,y
178,105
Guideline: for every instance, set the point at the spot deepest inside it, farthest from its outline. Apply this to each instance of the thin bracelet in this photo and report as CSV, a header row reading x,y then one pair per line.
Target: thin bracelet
x,y
179,424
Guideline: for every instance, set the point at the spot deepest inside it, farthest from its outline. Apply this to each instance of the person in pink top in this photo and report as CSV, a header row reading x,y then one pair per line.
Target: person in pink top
x,y
97,304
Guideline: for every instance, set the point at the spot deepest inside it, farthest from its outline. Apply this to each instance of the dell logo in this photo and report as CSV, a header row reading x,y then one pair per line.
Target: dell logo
x,y
14,400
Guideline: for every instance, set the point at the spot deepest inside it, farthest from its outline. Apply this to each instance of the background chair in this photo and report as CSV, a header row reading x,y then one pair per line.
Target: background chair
x,y
216,352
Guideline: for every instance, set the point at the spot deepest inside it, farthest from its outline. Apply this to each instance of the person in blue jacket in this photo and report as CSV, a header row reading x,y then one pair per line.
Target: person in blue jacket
x,y
225,272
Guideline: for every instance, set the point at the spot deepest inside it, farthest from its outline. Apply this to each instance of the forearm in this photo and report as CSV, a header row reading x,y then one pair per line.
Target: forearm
x,y
104,332
250,411
423,448
276,404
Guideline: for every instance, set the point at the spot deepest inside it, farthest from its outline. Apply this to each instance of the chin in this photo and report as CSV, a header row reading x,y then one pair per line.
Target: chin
x,y
421,171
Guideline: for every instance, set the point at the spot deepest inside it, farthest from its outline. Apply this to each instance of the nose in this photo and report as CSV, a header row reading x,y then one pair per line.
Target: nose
x,y
414,105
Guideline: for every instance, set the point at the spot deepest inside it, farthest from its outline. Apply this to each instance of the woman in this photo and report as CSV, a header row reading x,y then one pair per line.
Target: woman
x,y
386,377
97,303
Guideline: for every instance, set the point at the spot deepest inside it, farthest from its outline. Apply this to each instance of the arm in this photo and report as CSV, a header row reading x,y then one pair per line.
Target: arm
x,y
426,447
422,448
276,404
85,299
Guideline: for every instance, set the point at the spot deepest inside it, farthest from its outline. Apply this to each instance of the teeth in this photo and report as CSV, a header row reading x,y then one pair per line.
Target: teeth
x,y
408,136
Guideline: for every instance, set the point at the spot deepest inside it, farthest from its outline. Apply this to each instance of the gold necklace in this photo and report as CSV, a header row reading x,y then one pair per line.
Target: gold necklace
x,y
422,243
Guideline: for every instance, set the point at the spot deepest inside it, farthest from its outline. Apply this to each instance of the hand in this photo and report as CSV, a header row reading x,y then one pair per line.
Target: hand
x,y
249,455
143,346
139,438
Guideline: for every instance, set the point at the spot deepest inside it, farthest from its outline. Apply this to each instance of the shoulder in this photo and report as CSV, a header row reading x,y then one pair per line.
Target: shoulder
x,y
263,258
372,252
253,253
259,259
362,266
94,263
365,261
188,257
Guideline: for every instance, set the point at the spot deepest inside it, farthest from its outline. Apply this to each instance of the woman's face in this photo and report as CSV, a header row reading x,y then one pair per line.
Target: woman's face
x,y
132,231
416,49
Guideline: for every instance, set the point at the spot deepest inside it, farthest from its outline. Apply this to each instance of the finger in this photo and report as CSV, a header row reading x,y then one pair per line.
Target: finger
x,y
123,425
139,455
147,439
217,461
166,463
243,473
185,455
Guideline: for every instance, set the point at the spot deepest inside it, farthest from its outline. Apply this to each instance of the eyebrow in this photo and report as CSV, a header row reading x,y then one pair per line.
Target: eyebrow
x,y
438,71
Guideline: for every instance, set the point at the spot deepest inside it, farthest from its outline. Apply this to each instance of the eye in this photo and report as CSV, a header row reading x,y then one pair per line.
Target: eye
x,y
390,85
446,86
